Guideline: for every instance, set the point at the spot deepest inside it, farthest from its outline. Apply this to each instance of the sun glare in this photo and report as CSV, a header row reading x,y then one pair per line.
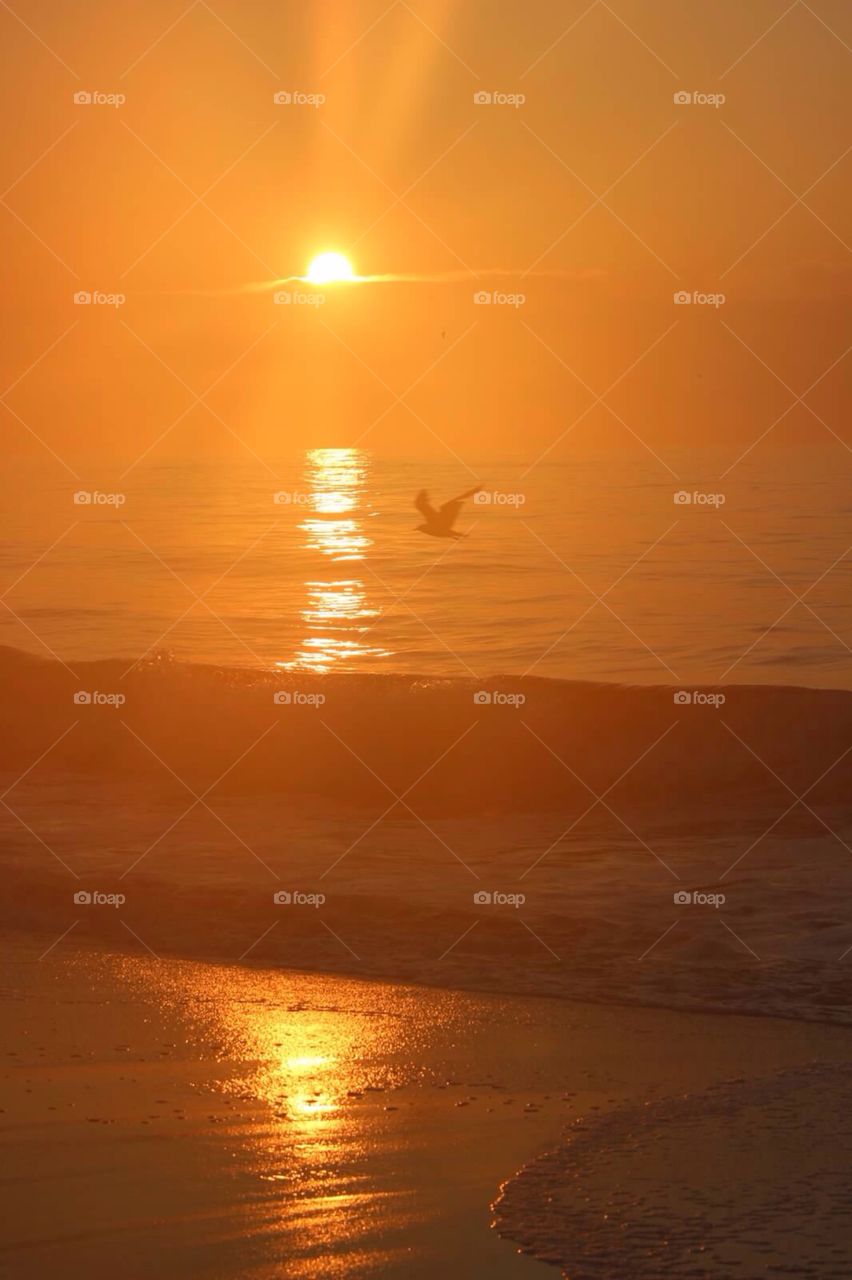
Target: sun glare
x,y
328,267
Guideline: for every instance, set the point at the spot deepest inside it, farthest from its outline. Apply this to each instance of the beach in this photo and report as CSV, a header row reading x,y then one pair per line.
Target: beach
x,y
426,641
184,1118
396,980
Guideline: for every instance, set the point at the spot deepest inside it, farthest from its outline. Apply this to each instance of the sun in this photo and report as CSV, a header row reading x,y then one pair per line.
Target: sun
x,y
327,268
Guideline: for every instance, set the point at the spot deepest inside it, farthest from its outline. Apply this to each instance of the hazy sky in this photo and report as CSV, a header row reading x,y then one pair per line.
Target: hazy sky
x,y
199,185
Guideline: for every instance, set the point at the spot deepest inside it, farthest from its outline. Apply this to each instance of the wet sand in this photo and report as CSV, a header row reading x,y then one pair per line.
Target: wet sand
x,y
179,1118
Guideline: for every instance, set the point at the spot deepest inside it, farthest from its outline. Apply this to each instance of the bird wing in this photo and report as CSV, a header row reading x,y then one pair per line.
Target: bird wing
x,y
450,510
424,506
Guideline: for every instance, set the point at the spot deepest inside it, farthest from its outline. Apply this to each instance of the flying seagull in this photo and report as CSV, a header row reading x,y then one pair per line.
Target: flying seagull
x,y
439,521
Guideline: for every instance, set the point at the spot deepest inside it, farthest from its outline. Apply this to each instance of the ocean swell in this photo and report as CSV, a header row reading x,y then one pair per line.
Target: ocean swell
x,y
510,743
608,843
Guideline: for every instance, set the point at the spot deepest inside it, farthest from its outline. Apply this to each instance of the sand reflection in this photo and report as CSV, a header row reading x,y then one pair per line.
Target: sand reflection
x,y
316,1071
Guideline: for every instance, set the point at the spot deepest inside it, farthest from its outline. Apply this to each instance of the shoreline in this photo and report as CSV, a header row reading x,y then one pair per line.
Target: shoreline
x,y
130,949
250,1098
620,1195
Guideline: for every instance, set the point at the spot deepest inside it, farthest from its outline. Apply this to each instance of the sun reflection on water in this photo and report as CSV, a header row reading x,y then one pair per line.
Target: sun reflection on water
x,y
337,612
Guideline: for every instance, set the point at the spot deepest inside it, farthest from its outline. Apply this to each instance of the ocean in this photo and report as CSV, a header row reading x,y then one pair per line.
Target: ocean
x,y
597,748
633,568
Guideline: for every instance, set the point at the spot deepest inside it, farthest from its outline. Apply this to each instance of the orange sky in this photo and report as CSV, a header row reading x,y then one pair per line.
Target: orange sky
x,y
402,170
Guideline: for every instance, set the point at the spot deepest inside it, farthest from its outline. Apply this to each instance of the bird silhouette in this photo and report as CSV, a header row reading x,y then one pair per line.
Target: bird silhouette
x,y
439,521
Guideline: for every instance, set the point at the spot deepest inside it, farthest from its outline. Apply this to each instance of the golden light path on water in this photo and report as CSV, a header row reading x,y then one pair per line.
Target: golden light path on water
x,y
337,613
